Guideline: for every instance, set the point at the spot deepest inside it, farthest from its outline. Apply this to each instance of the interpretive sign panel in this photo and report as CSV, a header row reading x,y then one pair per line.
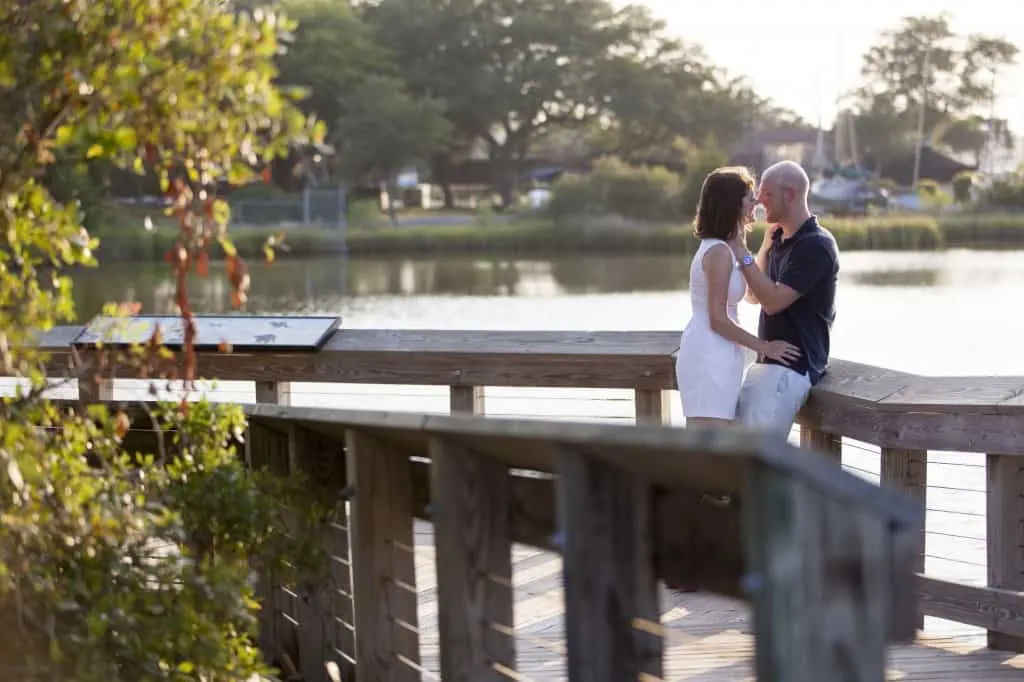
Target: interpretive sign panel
x,y
239,332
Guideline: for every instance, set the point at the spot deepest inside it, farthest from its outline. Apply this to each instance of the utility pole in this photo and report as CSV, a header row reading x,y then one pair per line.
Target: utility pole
x,y
920,115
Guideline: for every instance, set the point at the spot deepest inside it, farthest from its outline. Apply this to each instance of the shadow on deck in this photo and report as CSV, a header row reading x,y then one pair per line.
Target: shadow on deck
x,y
708,638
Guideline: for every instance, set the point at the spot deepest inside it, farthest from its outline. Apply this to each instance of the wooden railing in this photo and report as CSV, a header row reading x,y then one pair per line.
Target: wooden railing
x,y
820,544
904,415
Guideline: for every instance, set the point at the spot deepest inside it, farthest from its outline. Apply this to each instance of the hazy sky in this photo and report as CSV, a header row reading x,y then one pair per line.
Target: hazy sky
x,y
759,38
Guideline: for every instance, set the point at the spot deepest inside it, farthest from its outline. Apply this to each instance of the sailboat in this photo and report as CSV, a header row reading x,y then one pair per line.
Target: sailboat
x,y
841,186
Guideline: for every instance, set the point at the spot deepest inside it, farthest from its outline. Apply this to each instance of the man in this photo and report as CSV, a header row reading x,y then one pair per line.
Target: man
x,y
793,277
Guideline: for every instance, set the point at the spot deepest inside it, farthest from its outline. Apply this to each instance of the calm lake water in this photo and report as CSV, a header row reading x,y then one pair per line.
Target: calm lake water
x,y
944,313
939,313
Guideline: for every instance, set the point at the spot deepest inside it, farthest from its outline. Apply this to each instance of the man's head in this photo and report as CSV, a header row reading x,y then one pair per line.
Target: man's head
x,y
783,193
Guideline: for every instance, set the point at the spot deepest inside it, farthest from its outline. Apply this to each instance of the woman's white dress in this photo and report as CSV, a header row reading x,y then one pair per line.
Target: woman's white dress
x,y
709,367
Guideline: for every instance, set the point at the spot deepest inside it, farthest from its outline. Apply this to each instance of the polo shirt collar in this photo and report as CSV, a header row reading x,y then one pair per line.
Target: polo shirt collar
x,y
808,225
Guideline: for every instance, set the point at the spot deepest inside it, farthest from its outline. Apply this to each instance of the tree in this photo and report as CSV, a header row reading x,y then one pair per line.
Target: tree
x,y
665,99
331,54
510,70
923,63
184,87
385,130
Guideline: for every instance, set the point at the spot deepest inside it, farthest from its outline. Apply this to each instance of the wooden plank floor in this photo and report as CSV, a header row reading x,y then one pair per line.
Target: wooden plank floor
x,y
708,636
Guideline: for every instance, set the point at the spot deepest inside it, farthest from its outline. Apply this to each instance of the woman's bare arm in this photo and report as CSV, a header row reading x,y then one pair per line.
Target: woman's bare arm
x,y
718,265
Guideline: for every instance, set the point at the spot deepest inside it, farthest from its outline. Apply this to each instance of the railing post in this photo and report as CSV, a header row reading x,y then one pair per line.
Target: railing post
x,y
828,444
466,399
819,579
274,392
610,587
95,390
1005,530
383,561
274,601
907,470
472,504
651,406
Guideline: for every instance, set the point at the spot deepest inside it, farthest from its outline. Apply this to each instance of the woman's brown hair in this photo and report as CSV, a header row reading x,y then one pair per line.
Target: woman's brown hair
x,y
720,207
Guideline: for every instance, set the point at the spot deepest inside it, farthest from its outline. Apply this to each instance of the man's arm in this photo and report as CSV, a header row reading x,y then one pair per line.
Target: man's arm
x,y
761,260
805,269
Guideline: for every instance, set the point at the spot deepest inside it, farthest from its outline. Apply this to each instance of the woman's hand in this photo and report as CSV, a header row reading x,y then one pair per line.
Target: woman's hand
x,y
769,234
782,351
739,240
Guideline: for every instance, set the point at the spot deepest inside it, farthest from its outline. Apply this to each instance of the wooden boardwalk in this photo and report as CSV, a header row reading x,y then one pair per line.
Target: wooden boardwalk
x,y
709,637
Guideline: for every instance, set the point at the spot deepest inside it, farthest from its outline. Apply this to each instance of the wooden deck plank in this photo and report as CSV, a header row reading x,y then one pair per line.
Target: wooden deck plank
x,y
708,637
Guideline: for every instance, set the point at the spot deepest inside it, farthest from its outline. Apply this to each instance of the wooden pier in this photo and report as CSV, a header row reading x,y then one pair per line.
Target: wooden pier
x,y
516,504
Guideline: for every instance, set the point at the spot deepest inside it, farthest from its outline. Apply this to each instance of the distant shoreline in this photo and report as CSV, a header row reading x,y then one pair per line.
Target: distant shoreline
x,y
533,236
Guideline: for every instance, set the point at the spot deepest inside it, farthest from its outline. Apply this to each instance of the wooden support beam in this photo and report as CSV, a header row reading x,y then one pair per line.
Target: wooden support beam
x,y
383,565
820,578
1005,525
907,470
472,504
610,586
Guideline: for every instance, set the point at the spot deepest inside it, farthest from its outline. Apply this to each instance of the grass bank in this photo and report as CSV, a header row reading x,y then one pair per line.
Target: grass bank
x,y
536,236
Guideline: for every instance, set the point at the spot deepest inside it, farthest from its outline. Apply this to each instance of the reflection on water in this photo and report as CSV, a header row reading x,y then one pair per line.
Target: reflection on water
x,y
300,285
325,283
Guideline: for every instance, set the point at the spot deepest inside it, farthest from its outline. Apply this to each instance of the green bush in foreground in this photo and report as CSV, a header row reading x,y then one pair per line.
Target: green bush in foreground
x,y
127,548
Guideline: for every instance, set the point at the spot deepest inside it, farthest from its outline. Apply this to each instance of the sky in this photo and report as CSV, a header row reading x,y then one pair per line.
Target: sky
x,y
758,38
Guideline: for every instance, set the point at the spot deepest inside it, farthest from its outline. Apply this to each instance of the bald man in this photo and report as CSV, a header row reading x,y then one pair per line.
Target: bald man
x,y
793,277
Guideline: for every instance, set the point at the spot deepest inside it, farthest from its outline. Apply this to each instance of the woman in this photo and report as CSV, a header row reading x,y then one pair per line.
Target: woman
x,y
711,360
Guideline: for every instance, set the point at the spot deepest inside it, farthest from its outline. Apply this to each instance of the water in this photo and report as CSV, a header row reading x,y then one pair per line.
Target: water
x,y
940,313
937,313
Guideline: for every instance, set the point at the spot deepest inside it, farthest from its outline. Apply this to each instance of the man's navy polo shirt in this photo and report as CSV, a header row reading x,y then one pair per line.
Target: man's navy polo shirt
x,y
807,262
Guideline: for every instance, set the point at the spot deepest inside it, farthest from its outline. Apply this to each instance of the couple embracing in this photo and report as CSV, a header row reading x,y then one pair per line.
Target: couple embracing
x,y
793,278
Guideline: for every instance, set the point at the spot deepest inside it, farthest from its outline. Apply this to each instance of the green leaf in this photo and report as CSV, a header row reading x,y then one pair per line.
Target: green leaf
x,y
64,135
7,77
125,138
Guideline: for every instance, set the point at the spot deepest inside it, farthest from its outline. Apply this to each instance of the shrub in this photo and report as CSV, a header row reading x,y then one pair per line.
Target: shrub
x,y
912,232
1004,193
615,187
983,229
126,547
574,195
963,184
698,166
638,193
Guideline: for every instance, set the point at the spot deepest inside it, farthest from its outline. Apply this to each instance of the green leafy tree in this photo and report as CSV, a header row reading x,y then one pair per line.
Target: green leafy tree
x,y
116,565
330,55
510,70
923,63
386,130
